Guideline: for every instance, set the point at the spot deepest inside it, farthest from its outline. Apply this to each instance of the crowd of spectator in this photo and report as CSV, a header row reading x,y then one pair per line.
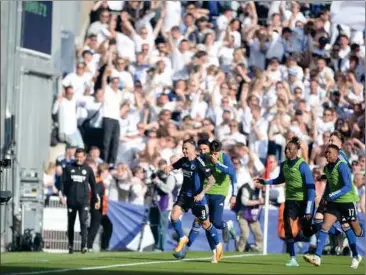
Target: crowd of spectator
x,y
250,74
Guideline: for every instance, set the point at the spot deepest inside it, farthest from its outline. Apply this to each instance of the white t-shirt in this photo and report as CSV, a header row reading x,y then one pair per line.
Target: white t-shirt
x,y
179,62
79,83
112,103
259,146
125,77
97,27
126,47
67,117
174,15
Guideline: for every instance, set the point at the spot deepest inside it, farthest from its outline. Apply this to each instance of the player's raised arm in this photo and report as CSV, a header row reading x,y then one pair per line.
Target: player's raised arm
x,y
226,167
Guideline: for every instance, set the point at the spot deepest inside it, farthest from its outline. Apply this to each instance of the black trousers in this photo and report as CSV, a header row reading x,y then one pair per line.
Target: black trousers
x,y
95,221
111,132
107,232
82,210
93,137
98,219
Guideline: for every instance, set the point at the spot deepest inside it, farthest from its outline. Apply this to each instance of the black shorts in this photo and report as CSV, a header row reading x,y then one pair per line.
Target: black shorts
x,y
345,212
322,207
199,209
294,209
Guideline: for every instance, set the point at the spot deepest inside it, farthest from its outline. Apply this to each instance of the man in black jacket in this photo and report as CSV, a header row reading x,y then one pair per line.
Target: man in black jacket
x,y
74,186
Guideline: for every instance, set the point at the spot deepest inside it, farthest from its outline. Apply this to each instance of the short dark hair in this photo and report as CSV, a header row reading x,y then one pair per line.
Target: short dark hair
x,y
332,146
189,140
296,141
80,150
338,135
215,146
203,141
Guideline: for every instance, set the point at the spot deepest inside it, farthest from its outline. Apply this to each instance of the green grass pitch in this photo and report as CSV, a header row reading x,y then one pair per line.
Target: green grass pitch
x,y
164,264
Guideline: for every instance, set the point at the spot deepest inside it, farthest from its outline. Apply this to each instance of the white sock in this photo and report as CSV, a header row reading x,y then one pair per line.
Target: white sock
x,y
293,258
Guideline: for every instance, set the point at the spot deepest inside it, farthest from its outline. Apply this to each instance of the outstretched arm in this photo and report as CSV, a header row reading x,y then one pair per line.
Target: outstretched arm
x,y
280,179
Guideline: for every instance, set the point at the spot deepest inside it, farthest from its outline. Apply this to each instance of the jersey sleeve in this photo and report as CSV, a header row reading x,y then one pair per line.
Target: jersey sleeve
x,y
178,164
280,179
201,166
308,182
345,175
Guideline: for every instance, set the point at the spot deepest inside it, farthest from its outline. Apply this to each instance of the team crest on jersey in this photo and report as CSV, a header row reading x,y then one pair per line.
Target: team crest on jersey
x,y
83,172
72,171
193,166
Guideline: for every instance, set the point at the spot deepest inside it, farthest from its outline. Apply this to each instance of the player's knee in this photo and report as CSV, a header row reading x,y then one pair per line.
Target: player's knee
x,y
206,224
175,215
173,218
196,224
319,216
217,223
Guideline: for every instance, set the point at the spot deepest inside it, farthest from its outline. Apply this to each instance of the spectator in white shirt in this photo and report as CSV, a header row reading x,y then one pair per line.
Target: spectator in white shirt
x,y
66,109
233,30
138,187
234,136
258,137
276,192
98,26
125,77
324,124
91,118
111,115
294,15
223,21
174,14
79,80
181,58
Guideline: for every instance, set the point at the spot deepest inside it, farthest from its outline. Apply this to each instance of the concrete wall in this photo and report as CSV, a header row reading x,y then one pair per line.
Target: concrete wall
x,y
29,82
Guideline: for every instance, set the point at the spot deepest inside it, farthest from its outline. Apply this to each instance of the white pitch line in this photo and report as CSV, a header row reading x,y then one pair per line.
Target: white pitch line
x,y
123,265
